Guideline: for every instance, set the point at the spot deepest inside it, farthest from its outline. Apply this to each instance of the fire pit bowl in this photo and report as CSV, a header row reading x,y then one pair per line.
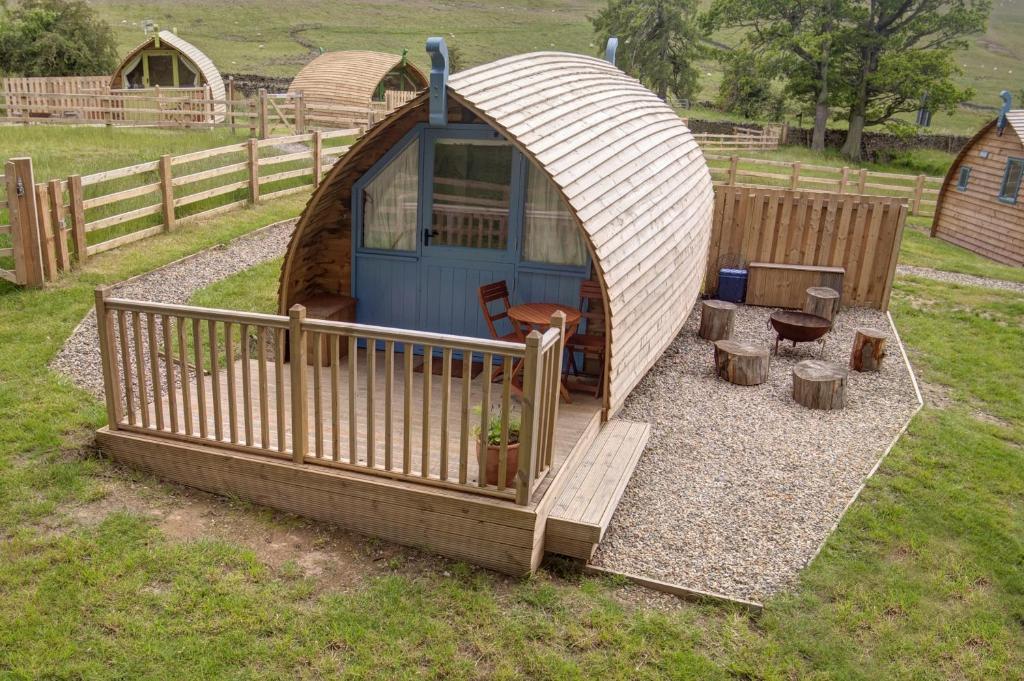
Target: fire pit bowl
x,y
799,327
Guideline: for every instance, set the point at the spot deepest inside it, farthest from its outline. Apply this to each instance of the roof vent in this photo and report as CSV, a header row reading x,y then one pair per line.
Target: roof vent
x,y
609,50
438,52
1001,121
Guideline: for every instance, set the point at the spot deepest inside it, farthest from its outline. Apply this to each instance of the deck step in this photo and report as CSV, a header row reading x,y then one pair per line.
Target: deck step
x,y
584,508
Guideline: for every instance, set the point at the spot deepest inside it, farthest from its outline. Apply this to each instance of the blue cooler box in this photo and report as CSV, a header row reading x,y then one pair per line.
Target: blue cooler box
x,y
732,285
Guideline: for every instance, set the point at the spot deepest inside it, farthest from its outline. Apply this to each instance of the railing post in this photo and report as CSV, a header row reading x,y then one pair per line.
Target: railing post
x,y
862,180
557,322
26,239
77,218
60,229
915,205
529,422
262,112
843,178
297,361
254,171
300,115
794,180
111,377
318,157
167,191
734,162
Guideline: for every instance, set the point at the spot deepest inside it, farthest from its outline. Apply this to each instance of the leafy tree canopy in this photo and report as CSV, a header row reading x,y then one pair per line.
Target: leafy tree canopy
x,y
658,42
55,38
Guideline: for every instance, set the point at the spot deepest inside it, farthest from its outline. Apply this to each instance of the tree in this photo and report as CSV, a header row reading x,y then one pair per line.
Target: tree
x,y
801,36
55,38
748,86
658,42
903,50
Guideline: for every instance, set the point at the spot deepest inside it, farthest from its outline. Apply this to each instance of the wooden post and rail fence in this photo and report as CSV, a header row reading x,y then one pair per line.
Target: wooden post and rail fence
x,y
334,394
53,224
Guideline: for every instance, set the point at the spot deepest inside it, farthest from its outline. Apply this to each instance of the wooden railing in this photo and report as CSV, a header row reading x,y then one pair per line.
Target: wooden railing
x,y
334,394
753,139
920,191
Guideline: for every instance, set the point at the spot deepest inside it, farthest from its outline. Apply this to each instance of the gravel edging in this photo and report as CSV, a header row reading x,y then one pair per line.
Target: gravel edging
x,y
959,278
739,486
175,282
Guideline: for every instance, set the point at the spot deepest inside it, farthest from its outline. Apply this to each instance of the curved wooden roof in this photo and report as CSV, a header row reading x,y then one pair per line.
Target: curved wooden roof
x,y
207,70
631,171
349,78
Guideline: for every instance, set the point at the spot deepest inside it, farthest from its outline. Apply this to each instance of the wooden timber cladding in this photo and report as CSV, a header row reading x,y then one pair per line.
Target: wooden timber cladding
x,y
627,166
861,234
975,218
350,78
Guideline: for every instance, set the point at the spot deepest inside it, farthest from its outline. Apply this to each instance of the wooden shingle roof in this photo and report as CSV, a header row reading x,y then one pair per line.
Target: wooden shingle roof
x,y
348,78
632,173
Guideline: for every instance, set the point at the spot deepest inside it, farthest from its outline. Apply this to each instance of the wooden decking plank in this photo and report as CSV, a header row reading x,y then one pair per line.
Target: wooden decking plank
x,y
601,509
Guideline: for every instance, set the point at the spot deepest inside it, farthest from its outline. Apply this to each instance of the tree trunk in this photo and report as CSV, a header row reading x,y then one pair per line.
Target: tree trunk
x,y
716,319
858,110
741,363
821,105
868,350
819,385
822,301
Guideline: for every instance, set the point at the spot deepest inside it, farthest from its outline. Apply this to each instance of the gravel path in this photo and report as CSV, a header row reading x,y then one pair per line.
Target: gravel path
x,y
79,359
738,486
958,278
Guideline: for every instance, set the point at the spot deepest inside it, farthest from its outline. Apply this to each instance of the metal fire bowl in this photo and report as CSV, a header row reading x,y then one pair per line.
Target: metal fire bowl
x,y
799,327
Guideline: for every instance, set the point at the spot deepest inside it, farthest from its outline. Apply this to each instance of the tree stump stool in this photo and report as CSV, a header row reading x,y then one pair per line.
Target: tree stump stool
x,y
818,384
868,350
716,319
741,363
822,301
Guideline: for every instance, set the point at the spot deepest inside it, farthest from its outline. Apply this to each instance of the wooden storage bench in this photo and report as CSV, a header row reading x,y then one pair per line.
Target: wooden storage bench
x,y
781,285
332,307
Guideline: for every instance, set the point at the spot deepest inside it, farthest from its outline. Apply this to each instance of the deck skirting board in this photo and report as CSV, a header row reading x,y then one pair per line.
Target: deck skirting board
x,y
497,535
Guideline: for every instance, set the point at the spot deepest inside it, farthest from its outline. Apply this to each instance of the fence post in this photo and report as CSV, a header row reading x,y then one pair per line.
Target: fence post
x,y
862,180
167,191
24,217
108,118
60,228
557,322
794,180
229,109
529,423
209,108
734,162
254,171
111,385
297,360
843,179
77,218
47,247
300,115
318,157
915,206
263,131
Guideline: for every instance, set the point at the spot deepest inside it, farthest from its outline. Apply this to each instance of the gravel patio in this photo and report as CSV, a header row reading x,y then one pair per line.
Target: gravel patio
x,y
739,486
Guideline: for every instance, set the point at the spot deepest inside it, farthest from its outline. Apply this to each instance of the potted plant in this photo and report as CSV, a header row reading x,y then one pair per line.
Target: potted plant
x,y
492,458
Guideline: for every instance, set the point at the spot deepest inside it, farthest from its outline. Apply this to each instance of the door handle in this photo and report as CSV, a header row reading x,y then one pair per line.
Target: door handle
x,y
427,234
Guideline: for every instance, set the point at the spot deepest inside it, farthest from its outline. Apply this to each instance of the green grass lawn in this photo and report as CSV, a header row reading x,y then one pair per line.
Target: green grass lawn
x,y
924,577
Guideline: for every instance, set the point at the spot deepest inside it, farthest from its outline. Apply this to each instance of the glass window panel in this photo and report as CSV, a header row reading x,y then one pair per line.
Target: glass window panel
x,y
187,75
471,194
965,176
549,233
161,70
389,204
1012,180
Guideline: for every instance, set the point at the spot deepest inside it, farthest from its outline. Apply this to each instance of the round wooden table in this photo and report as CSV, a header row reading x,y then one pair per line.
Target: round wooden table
x,y
529,316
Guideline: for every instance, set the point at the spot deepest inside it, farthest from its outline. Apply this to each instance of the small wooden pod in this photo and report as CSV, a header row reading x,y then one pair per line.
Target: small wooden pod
x,y
741,363
818,384
868,350
717,318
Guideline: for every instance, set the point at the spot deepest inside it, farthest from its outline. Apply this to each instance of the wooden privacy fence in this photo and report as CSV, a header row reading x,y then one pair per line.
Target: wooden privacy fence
x,y
920,191
83,215
861,234
351,397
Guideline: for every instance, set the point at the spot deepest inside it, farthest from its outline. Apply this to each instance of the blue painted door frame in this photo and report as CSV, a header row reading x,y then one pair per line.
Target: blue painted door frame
x,y
433,288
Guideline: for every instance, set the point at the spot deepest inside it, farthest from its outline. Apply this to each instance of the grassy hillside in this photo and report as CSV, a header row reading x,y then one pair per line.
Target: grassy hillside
x,y
276,37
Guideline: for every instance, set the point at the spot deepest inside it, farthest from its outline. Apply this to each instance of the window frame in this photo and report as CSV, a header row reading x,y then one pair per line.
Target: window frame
x,y
1003,196
963,179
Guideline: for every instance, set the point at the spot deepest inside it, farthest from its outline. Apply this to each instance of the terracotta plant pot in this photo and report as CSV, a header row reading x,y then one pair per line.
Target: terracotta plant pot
x,y
511,464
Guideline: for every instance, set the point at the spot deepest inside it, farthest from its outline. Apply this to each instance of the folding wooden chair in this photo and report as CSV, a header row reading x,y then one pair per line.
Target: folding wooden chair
x,y
497,292
590,339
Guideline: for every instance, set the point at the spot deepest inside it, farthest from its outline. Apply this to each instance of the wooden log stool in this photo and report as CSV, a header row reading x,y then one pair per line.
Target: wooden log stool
x,y
716,319
741,363
868,350
822,301
818,384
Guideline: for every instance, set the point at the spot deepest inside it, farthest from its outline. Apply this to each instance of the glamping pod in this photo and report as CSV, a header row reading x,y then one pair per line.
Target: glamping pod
x,y
357,80
167,61
543,171
980,206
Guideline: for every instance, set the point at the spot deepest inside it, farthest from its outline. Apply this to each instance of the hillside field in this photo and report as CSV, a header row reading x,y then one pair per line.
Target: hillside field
x,y
276,37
